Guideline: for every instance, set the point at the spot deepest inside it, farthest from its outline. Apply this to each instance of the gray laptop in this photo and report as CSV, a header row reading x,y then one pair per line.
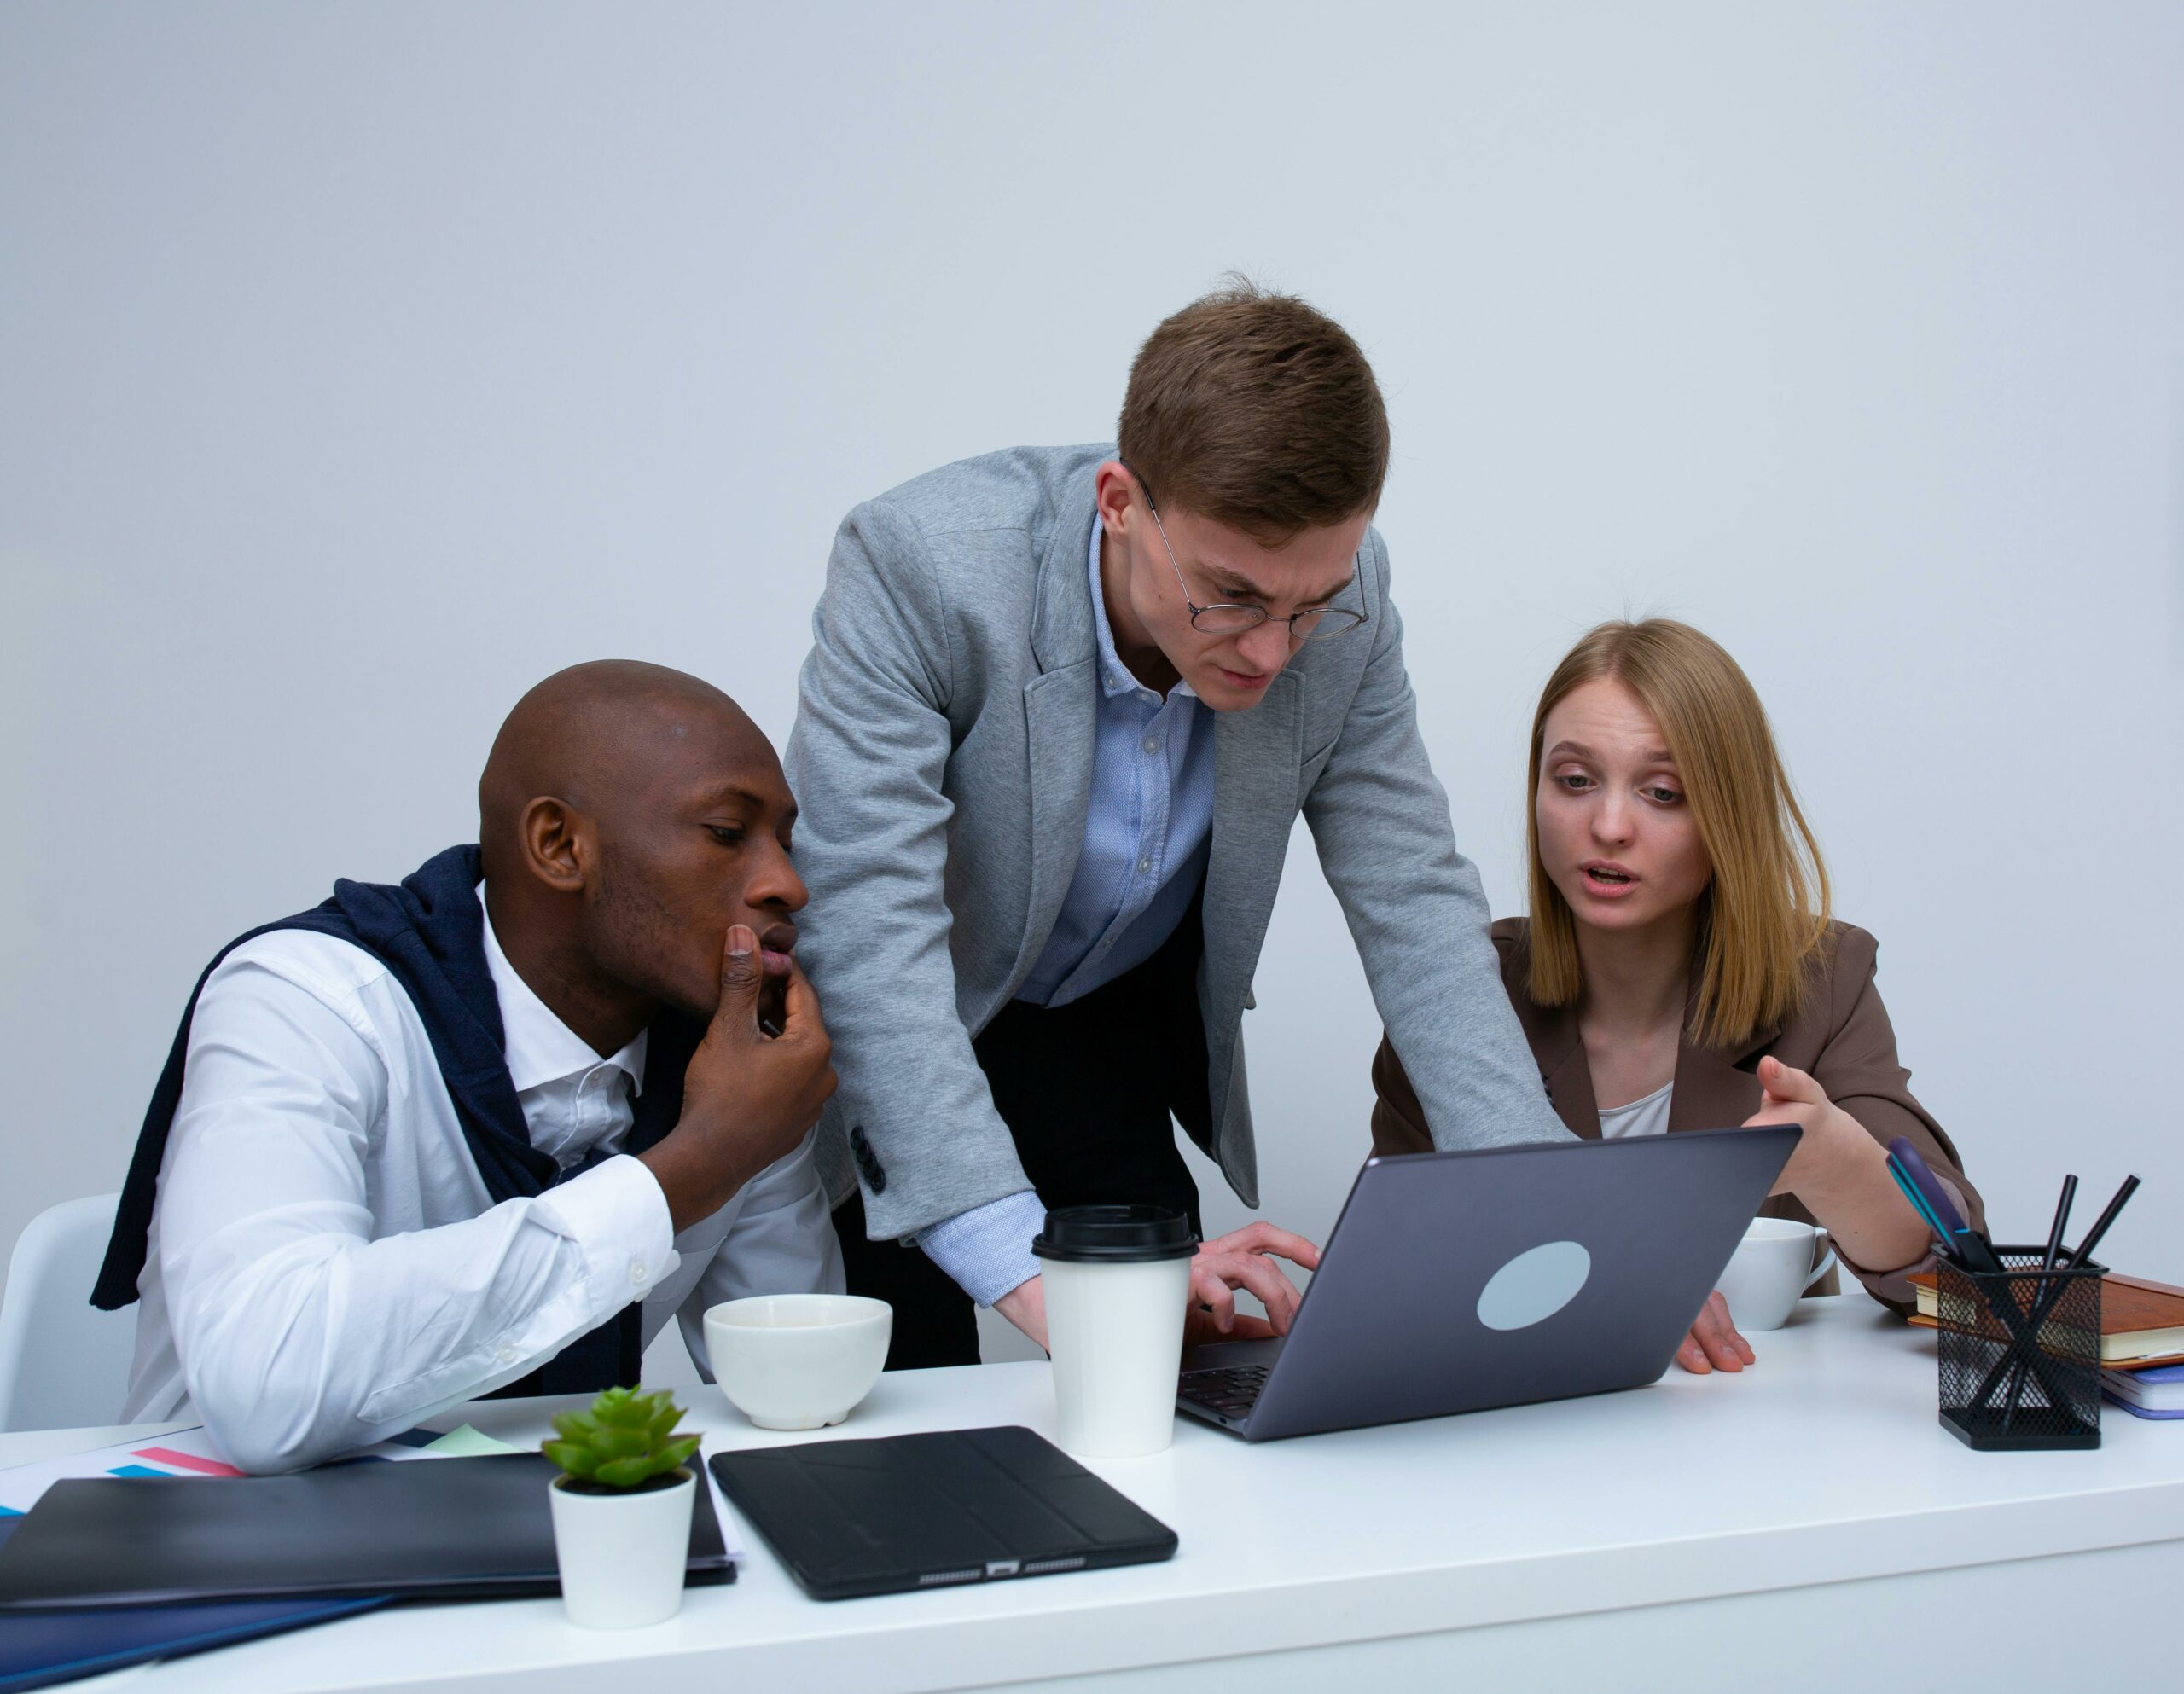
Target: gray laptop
x,y
1453,1282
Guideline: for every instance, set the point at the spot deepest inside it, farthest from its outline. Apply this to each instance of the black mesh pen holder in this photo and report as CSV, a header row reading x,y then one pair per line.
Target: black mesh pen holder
x,y
2020,1354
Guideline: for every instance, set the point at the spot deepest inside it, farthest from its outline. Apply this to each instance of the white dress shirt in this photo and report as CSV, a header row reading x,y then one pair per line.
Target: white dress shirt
x,y
325,1266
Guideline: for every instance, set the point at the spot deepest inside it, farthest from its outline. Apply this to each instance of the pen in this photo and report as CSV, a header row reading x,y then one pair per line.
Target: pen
x,y
1919,1205
1925,1192
2084,1248
1974,1253
2062,1219
2080,1256
2047,1264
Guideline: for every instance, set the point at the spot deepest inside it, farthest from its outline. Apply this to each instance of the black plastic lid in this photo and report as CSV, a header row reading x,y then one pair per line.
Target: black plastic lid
x,y
1116,1235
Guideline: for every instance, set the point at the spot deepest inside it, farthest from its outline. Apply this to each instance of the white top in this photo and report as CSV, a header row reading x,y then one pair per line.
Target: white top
x,y
1820,1478
325,1266
1646,1116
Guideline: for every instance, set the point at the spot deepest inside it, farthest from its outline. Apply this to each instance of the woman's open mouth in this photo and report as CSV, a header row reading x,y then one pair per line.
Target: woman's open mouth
x,y
1608,880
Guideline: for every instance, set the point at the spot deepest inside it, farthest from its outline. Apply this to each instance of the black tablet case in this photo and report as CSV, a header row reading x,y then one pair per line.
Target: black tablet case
x,y
857,1518
429,1529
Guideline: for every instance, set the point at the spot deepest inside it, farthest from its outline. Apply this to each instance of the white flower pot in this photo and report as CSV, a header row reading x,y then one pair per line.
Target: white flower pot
x,y
623,1556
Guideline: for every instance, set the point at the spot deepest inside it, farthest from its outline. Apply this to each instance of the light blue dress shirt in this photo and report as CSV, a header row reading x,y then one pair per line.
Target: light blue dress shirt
x,y
1147,832
1146,829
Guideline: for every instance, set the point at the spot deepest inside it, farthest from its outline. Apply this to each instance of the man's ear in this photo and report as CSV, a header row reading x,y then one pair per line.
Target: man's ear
x,y
557,844
1116,496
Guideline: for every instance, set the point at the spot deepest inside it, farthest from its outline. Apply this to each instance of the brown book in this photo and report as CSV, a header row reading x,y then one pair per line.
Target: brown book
x,y
2141,1320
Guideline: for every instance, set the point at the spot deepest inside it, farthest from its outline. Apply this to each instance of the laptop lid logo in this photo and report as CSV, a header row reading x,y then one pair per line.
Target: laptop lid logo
x,y
1535,1286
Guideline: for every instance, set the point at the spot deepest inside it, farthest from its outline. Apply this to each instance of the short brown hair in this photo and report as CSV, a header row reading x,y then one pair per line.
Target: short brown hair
x,y
1764,913
1257,411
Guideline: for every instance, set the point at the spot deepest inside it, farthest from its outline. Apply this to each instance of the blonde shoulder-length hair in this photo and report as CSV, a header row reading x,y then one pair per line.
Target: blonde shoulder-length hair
x,y
1764,913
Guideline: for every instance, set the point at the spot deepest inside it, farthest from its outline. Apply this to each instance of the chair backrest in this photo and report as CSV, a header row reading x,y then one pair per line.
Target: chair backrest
x,y
63,1363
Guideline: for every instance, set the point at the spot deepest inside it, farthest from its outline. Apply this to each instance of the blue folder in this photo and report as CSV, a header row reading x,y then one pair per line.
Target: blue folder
x,y
40,1649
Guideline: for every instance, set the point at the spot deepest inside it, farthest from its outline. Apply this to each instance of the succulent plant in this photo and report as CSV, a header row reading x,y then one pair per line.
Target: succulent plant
x,y
623,1442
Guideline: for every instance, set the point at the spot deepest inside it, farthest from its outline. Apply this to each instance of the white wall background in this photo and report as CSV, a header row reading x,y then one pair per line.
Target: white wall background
x,y
360,365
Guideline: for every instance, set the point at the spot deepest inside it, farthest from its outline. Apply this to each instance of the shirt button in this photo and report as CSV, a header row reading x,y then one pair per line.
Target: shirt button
x,y
1144,865
1149,696
505,1356
637,1273
1152,744
1106,943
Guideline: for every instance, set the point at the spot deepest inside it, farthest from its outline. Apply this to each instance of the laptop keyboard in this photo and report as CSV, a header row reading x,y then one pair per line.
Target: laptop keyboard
x,y
1230,1394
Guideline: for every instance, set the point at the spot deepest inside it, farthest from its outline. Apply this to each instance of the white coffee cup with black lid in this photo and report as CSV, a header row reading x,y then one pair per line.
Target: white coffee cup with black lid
x,y
1116,1281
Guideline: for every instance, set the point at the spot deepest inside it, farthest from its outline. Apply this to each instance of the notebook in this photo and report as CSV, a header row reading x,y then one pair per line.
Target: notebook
x,y
856,1518
456,1528
2158,1391
2141,1321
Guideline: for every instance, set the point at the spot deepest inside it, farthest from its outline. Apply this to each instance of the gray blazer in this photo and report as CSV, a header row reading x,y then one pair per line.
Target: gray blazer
x,y
942,761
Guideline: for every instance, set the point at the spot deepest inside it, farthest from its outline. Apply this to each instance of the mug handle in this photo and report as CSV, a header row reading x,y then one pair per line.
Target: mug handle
x,y
1826,1264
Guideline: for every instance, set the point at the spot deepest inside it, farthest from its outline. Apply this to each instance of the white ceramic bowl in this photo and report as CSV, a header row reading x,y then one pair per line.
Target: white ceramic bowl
x,y
797,1361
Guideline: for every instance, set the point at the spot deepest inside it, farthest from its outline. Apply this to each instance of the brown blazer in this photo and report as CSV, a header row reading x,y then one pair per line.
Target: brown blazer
x,y
1840,1035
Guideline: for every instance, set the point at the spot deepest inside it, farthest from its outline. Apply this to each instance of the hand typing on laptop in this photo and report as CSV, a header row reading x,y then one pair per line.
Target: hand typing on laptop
x,y
1242,1259
1245,1259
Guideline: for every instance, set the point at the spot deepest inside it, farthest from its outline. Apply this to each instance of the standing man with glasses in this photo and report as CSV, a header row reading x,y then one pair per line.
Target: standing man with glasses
x,y
1062,707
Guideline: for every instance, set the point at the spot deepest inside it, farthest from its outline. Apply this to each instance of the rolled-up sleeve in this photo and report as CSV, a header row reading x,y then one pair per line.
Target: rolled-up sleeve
x,y
301,1336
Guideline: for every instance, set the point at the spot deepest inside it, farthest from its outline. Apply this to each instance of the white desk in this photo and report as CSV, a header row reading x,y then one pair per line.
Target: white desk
x,y
1806,1525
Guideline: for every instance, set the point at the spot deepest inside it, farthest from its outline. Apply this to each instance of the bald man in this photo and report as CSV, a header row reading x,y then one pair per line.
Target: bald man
x,y
486,1130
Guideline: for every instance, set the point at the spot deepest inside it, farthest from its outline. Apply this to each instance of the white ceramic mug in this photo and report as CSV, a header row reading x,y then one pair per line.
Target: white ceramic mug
x,y
1770,1271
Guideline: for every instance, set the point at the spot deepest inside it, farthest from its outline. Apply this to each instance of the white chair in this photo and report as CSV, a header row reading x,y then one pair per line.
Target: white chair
x,y
63,1363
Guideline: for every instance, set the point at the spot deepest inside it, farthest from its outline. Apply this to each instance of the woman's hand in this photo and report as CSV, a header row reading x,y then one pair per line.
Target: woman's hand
x,y
1714,1344
1831,1134
1839,1172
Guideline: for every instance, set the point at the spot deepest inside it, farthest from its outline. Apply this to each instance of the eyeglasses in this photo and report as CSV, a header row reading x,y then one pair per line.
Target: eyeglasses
x,y
1310,623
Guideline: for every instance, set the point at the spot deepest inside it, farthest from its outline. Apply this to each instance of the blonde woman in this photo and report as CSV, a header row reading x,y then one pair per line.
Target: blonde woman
x,y
1679,970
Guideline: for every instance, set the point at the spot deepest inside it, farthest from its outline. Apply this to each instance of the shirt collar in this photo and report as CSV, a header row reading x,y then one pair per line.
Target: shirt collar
x,y
539,1046
1115,677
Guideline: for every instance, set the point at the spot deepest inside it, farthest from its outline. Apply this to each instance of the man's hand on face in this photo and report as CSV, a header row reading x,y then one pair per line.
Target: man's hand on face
x,y
747,1096
1243,1259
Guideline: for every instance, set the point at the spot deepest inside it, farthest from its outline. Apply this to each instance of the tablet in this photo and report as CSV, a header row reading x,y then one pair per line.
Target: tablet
x,y
904,1512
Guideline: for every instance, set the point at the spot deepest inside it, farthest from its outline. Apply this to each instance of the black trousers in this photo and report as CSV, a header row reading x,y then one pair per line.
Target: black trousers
x,y
1089,1091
